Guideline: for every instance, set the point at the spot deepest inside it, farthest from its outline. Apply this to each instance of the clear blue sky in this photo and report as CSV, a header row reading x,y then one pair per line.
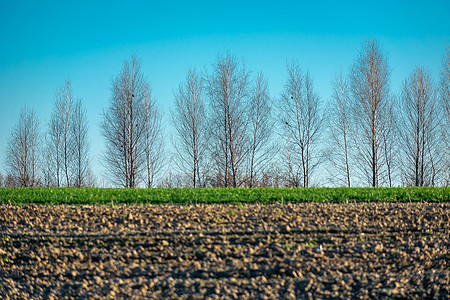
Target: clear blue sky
x,y
44,42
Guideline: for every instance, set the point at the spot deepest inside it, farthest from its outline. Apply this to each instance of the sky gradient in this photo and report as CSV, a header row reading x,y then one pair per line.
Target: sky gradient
x,y
42,43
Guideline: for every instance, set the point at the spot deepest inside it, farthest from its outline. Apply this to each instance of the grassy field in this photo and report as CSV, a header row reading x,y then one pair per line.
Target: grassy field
x,y
73,196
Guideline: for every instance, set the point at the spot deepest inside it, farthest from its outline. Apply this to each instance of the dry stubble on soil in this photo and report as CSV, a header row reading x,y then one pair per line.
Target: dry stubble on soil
x,y
292,251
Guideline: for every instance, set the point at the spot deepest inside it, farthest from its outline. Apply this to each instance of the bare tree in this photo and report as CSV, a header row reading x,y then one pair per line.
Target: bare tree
x,y
80,145
1,180
11,182
49,166
63,104
390,146
445,97
369,84
261,128
445,82
130,126
420,125
53,149
189,120
301,120
60,135
338,119
227,88
153,140
23,150
289,157
273,175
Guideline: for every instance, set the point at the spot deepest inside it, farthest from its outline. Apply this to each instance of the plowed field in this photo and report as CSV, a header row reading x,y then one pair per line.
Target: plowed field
x,y
291,251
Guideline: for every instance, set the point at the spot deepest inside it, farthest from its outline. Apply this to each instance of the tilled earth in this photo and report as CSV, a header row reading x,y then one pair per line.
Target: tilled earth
x,y
290,251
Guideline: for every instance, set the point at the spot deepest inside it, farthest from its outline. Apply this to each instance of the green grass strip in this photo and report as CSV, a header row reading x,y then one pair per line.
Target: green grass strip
x,y
75,196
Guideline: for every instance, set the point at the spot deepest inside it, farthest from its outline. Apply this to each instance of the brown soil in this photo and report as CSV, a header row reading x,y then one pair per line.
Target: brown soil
x,y
292,251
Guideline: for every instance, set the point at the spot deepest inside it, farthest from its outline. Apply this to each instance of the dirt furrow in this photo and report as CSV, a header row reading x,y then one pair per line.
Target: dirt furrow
x,y
294,251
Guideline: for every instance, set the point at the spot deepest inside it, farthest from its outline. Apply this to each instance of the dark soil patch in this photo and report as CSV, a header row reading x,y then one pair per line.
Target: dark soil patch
x,y
292,251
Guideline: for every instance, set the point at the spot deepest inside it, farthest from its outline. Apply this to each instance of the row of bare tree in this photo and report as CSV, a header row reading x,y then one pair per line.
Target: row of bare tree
x,y
66,151
63,158
364,136
384,136
229,131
